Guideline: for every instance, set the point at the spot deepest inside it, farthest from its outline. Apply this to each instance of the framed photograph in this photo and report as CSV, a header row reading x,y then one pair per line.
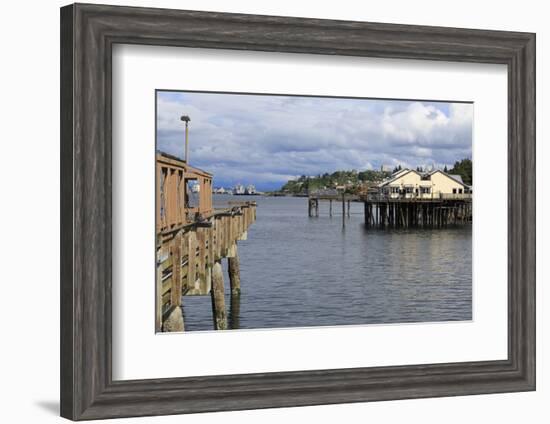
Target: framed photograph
x,y
263,211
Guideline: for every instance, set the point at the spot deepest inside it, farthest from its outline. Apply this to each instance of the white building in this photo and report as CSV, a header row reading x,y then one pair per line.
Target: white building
x,y
250,189
408,183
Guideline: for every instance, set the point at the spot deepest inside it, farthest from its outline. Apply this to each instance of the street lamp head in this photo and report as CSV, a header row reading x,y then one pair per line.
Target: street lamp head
x,y
185,118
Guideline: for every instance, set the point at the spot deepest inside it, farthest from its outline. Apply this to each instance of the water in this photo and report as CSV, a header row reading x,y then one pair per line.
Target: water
x,y
298,271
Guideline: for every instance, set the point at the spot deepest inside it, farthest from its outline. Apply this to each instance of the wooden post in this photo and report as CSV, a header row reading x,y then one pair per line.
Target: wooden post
x,y
192,261
201,239
234,273
317,206
174,321
330,208
234,312
176,291
158,312
218,298
343,208
348,207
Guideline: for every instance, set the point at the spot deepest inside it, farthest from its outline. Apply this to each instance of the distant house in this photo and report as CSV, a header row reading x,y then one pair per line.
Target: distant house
x,y
408,183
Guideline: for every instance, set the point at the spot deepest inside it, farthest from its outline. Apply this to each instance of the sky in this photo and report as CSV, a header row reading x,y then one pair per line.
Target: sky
x,y
266,140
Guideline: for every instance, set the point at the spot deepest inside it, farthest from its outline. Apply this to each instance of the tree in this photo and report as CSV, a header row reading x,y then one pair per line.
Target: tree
x,y
464,169
445,169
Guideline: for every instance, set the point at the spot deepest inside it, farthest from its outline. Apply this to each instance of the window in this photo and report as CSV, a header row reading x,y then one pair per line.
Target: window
x,y
425,190
459,191
454,190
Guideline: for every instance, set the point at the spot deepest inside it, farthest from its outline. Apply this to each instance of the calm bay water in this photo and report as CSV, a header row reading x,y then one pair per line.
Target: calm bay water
x,y
298,271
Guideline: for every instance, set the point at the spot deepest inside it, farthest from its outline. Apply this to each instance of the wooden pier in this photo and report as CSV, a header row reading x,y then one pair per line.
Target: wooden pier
x,y
383,211
191,242
402,212
315,198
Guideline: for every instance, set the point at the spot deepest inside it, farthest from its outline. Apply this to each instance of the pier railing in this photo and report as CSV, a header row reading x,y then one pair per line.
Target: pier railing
x,y
173,199
188,257
382,197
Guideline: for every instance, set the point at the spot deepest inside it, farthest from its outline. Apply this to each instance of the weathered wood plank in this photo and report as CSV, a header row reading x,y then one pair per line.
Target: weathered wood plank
x,y
192,261
234,272
201,239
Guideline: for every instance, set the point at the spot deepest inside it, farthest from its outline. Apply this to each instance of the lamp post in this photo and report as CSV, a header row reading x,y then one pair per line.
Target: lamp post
x,y
186,119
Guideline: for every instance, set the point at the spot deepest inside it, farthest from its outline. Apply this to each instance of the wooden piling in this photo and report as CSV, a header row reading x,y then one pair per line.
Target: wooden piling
x,y
234,272
174,320
344,209
234,312
218,298
201,240
317,207
192,261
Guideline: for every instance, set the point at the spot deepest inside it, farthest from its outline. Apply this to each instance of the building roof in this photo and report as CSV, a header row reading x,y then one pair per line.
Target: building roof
x,y
457,178
397,175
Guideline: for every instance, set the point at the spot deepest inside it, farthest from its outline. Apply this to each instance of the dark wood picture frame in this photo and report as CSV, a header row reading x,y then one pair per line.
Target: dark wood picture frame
x,y
88,33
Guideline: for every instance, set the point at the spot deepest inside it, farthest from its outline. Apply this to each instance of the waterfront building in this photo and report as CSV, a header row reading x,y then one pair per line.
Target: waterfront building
x,y
408,183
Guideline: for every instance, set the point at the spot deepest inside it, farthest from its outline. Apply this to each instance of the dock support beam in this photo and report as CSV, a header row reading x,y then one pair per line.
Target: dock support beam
x,y
234,272
218,298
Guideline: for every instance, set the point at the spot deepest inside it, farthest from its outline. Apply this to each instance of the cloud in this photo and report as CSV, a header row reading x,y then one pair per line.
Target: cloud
x,y
265,140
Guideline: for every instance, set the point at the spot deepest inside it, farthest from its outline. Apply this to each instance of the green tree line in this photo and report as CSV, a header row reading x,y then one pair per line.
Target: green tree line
x,y
354,178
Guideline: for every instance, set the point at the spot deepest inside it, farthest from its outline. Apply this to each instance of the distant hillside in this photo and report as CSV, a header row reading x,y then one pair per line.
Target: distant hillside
x,y
351,179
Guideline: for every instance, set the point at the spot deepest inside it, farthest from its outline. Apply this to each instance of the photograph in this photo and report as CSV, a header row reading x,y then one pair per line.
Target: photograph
x,y
283,210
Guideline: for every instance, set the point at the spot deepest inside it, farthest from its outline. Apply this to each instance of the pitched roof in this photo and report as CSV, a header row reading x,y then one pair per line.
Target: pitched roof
x,y
396,176
457,178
